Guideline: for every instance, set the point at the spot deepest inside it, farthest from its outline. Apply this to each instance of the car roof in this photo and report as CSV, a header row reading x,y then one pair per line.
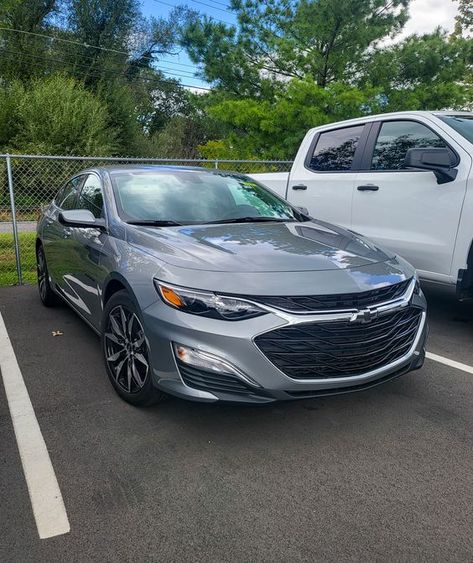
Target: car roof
x,y
120,168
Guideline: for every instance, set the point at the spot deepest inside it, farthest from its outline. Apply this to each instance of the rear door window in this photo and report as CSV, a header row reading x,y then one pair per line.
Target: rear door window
x,y
335,150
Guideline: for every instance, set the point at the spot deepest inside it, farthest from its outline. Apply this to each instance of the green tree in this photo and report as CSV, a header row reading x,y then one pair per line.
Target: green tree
x,y
274,129
277,39
57,115
423,72
464,18
22,54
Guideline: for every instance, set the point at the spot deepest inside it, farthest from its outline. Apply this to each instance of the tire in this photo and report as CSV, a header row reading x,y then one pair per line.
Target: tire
x,y
125,351
46,293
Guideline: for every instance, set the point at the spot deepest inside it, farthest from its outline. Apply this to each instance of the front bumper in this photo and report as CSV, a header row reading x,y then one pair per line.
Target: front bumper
x,y
234,343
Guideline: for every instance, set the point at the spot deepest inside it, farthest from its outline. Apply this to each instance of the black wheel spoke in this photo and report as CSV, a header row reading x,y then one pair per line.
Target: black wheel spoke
x,y
116,329
113,338
136,374
141,359
129,375
119,368
139,342
117,355
130,325
123,322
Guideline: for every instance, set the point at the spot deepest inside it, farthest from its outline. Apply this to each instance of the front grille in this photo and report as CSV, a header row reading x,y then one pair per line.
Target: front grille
x,y
341,348
303,304
212,381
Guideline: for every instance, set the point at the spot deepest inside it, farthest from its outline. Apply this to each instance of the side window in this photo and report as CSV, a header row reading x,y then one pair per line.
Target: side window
x,y
396,138
91,196
335,150
67,197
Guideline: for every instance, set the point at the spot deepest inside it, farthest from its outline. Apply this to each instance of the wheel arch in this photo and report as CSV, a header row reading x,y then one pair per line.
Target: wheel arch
x,y
115,283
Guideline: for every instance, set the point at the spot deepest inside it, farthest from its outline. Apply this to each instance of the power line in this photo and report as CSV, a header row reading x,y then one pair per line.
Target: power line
x,y
103,75
216,2
210,6
87,45
186,72
174,6
164,70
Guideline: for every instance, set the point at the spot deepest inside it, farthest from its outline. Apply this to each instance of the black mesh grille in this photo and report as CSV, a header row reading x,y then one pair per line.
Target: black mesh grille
x,y
211,381
340,349
301,304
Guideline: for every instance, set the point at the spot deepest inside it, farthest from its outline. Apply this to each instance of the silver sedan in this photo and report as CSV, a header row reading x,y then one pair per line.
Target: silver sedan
x,y
206,285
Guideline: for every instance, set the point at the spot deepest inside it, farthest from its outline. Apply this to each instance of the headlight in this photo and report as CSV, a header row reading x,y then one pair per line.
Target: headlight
x,y
207,304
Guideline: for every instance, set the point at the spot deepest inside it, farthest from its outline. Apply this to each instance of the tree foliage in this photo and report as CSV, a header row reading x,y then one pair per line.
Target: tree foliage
x,y
283,67
108,50
54,115
320,39
295,65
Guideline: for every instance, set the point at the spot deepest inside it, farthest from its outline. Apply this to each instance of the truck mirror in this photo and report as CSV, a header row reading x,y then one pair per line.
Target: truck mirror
x,y
438,160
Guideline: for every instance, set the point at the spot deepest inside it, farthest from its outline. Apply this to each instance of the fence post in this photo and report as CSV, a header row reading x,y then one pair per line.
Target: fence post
x,y
13,214
216,164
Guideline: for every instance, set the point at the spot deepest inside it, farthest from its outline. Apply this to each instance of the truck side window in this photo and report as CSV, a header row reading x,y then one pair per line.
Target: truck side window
x,y
334,150
394,140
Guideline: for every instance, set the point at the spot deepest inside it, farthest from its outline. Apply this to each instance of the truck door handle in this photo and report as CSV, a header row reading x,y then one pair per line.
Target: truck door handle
x,y
299,187
368,188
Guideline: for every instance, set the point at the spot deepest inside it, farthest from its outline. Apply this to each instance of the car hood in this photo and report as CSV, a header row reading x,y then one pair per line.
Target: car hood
x,y
258,247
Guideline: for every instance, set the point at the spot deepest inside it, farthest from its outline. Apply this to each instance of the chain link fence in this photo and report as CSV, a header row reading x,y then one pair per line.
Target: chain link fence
x,y
28,182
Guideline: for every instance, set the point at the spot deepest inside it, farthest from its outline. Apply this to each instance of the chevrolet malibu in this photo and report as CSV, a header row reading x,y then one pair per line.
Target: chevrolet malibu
x,y
205,285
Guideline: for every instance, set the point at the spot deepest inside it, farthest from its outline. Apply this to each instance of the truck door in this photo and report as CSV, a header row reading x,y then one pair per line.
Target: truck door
x,y
406,210
323,176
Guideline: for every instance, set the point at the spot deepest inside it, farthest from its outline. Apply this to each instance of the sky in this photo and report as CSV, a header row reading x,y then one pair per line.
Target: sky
x,y
426,15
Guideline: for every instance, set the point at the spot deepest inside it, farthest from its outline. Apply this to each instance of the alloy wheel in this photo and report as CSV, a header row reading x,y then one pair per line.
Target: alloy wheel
x,y
42,274
126,349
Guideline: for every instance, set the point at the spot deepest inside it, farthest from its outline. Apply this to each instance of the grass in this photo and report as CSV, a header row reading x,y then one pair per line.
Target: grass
x,y
8,274
21,215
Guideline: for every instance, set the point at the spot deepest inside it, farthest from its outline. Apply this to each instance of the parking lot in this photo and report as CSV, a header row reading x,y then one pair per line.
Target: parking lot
x,y
385,474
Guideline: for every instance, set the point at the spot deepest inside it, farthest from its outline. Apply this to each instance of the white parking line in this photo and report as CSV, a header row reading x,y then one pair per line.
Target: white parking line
x,y
46,499
448,362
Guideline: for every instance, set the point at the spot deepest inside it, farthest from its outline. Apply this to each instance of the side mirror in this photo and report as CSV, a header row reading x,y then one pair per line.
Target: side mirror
x,y
440,161
81,219
303,210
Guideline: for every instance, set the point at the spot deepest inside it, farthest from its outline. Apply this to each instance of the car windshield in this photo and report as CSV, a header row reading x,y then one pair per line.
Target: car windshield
x,y
463,124
195,197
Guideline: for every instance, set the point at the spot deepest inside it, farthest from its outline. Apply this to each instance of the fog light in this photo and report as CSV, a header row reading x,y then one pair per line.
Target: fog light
x,y
208,362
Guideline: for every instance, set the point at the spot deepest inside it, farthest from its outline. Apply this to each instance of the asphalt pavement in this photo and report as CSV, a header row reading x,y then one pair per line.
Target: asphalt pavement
x,y
381,475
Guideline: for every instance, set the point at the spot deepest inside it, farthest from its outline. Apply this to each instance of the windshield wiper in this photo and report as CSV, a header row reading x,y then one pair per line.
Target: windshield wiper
x,y
155,223
250,220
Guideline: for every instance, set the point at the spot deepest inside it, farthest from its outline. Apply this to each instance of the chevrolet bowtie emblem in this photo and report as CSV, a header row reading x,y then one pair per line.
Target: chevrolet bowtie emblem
x,y
364,316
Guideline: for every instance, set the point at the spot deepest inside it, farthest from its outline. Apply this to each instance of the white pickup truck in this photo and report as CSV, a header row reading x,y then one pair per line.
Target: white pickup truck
x,y
402,179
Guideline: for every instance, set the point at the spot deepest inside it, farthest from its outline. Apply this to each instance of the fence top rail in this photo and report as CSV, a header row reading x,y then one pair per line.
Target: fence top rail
x,y
136,159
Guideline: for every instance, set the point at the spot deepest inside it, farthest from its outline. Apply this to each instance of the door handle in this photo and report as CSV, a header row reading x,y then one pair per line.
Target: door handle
x,y
299,187
368,188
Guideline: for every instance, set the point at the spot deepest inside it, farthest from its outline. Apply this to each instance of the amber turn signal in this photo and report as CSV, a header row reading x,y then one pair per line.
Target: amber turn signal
x,y
171,296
